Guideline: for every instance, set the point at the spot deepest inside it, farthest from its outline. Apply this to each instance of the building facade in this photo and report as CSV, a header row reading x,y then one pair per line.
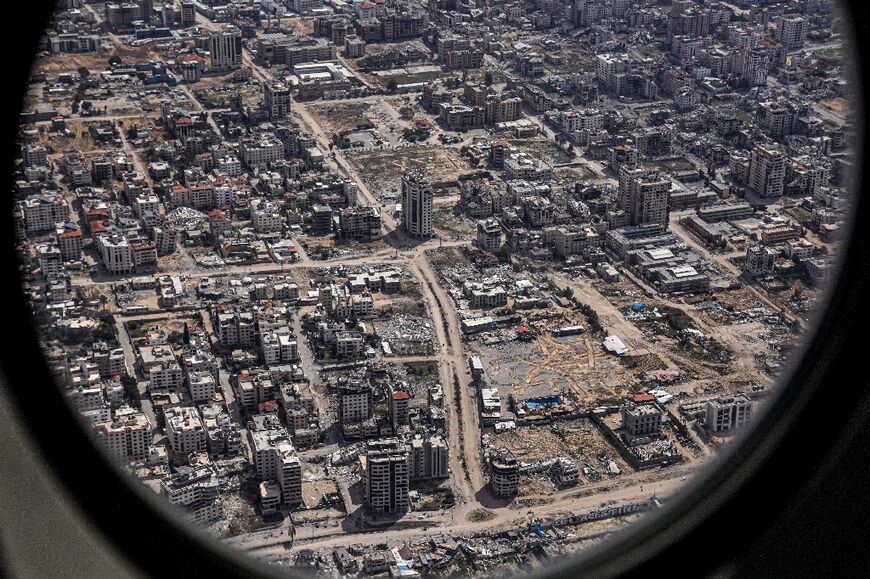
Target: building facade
x,y
417,200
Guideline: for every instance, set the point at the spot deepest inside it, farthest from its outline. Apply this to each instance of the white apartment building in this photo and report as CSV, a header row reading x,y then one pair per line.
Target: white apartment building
x,y
767,170
288,347
185,431
126,437
276,97
728,413
489,235
225,49
429,458
197,490
355,404
289,475
573,240
236,329
264,445
305,6
285,291
525,167
759,260
69,240
387,476
116,253
362,306
487,298
50,260
158,363
34,155
228,165
84,398
641,419
279,348
146,205
581,120
271,349
202,386
43,211
275,458
644,196
607,65
791,31
417,199
266,217
165,239
504,475
348,344
261,150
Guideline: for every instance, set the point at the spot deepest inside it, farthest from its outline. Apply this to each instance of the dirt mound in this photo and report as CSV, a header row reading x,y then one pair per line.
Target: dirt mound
x,y
480,515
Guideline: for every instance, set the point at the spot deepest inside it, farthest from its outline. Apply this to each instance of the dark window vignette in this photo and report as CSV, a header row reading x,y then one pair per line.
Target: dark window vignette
x,y
778,484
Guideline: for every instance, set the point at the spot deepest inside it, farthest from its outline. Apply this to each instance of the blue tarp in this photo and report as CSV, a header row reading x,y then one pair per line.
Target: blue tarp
x,y
638,307
533,403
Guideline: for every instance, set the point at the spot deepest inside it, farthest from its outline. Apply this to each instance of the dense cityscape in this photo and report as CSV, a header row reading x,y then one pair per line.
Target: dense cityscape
x,y
441,288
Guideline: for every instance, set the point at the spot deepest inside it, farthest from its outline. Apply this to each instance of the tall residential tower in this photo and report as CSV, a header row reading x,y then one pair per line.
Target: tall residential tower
x,y
417,196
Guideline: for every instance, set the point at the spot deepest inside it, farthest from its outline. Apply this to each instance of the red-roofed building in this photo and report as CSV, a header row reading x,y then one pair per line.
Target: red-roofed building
x,y
218,223
101,214
69,240
400,409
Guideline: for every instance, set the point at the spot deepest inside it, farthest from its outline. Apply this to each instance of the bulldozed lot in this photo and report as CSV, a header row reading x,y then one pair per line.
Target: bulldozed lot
x,y
337,117
449,224
572,365
96,61
579,440
219,92
80,139
382,170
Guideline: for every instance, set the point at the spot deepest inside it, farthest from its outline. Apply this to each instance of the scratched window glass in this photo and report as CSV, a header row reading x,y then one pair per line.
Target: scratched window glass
x,y
494,280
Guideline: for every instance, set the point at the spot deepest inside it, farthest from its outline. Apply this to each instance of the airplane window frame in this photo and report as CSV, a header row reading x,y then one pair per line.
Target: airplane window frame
x,y
759,479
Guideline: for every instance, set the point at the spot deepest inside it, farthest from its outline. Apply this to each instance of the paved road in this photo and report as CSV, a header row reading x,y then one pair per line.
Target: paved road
x,y
131,152
130,363
464,430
